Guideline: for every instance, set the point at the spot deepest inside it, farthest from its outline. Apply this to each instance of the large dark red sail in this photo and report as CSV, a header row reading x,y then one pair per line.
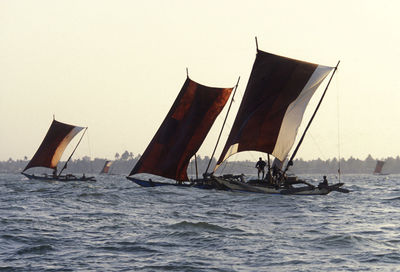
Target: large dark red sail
x,y
271,111
183,131
54,143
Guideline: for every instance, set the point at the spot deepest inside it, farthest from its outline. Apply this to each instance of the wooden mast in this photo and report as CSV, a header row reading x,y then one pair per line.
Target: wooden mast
x,y
195,164
256,43
222,128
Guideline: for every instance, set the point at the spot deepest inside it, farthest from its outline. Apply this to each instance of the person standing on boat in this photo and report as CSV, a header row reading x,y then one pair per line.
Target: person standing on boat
x,y
260,165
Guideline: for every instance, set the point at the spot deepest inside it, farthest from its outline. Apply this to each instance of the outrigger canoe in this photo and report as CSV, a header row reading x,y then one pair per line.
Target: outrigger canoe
x,y
67,177
236,183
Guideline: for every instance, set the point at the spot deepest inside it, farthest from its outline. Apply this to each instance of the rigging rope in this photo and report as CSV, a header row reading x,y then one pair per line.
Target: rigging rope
x,y
222,169
320,152
90,151
338,123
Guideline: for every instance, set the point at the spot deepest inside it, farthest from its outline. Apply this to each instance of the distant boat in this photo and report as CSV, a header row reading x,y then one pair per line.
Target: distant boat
x,y
50,151
378,168
106,168
180,136
271,111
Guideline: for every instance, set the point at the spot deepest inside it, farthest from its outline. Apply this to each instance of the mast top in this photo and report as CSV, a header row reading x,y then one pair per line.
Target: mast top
x,y
256,43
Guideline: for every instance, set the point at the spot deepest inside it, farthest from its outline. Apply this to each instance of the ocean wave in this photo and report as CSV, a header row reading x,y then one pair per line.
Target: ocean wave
x,y
224,214
176,267
343,241
96,195
201,226
116,226
125,247
382,258
35,249
392,199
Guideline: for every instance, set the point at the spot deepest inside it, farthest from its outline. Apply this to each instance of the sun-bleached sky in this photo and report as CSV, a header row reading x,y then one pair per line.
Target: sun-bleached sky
x,y
117,66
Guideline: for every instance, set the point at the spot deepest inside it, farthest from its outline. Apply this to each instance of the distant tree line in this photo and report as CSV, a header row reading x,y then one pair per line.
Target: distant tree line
x,y
123,164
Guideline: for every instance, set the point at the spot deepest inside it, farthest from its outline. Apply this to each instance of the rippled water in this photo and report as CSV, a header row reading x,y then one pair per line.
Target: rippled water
x,y
114,225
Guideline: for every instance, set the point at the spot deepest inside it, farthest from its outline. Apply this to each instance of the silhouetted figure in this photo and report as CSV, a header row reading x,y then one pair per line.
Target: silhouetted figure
x,y
275,171
260,165
151,183
324,183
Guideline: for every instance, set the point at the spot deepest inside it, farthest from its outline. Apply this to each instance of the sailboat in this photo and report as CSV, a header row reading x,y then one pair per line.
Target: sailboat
x,y
270,113
106,167
180,136
378,168
51,149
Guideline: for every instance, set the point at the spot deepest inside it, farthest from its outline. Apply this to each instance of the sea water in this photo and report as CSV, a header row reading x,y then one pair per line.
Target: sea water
x,y
115,225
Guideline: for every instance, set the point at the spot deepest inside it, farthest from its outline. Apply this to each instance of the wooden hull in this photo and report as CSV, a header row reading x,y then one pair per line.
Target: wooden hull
x,y
60,178
237,185
200,184
150,183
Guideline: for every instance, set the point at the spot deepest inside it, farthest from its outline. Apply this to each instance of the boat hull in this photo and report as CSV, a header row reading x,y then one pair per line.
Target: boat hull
x,y
237,185
60,178
200,184
150,183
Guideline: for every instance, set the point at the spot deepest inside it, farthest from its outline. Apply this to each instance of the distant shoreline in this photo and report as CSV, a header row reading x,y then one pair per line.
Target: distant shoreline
x,y
124,166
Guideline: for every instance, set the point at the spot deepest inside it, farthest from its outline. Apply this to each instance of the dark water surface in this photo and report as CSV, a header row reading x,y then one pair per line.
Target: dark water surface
x,y
114,225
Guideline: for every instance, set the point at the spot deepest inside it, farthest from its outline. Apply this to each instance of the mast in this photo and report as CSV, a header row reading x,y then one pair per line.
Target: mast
x,y
195,163
222,128
290,162
65,165
256,43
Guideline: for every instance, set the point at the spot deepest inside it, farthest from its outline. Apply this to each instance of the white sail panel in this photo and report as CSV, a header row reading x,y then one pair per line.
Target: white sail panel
x,y
63,144
233,149
294,113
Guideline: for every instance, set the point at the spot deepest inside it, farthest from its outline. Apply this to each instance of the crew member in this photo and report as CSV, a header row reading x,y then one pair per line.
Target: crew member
x,y
260,165
324,183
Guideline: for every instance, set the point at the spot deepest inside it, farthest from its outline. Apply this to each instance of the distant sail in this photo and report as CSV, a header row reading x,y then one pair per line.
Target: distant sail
x,y
273,105
378,167
182,131
54,143
106,167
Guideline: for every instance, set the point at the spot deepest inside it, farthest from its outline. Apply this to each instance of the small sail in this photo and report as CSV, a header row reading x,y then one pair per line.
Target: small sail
x,y
106,167
54,143
182,131
378,167
273,105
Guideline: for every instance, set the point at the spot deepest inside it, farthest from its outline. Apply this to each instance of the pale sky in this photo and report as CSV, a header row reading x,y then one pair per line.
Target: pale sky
x,y
117,66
